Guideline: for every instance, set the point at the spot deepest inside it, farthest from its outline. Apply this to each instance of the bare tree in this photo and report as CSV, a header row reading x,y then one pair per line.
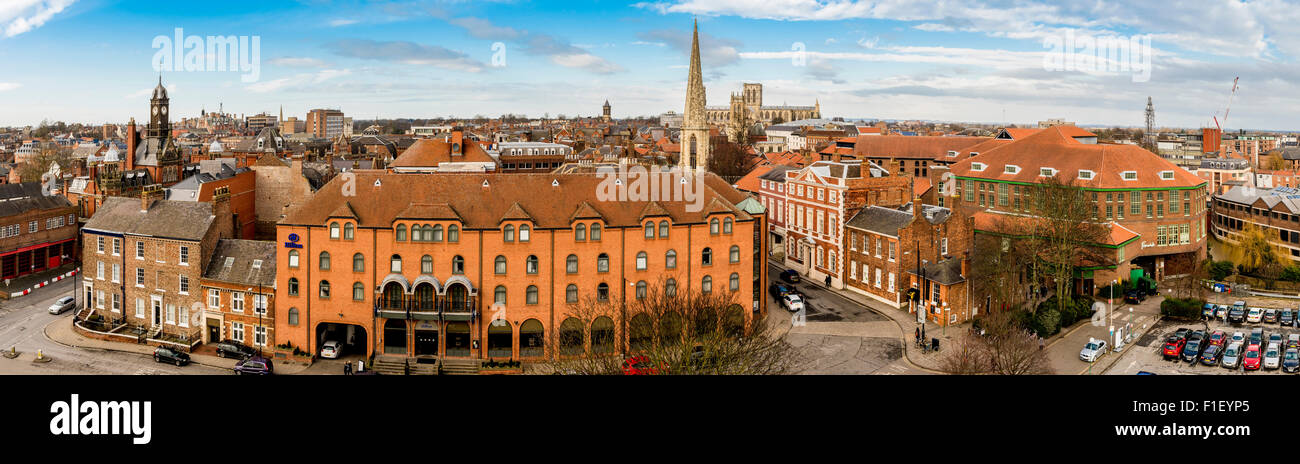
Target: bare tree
x,y
1005,348
1065,232
33,168
668,332
729,160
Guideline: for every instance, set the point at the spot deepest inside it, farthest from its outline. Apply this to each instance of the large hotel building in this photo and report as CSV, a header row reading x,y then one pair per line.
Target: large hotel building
x,y
415,265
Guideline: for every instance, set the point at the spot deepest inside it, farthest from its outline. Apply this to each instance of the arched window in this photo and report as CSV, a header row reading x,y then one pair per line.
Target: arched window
x,y
531,296
358,292
602,263
453,233
334,230
401,232
324,289
602,292
458,265
707,256
713,226
499,295
641,261
530,265
735,253
349,231
641,289
293,286
580,232
670,259
499,265
663,229
509,234
595,231
523,233
293,316
571,264
706,285
426,264
571,294
395,263
324,261
293,259
650,229
437,233
358,263
670,288
726,225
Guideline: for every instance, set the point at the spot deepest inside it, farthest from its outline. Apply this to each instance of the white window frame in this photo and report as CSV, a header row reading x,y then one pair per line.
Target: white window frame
x,y
977,167
1047,172
1010,169
237,302
183,285
214,298
1124,175
183,256
1166,175
1089,175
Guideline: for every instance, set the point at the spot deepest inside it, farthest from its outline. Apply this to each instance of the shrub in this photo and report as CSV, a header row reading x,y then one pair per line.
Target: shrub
x,y
1220,270
1184,309
1290,274
1049,320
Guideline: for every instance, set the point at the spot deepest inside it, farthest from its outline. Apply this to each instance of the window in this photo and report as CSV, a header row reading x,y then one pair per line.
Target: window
x,y
707,256
641,260
395,263
1129,175
139,250
1166,175
595,231
713,226
348,231
237,302
117,303
458,265
649,230
734,282
185,256
293,286
530,265
1011,169
453,233
977,167
324,289
293,316
184,287
602,263
401,232
1046,172
891,251
358,292
324,261
891,282
943,246
523,233
437,234
670,259
426,264
726,225
139,308
293,259
571,264
358,263
706,285
1002,194
259,335
735,254
499,265
509,234
117,273
580,232
1085,174
237,331
571,294
670,288
663,229
334,230
530,295
641,288
117,242
499,295
602,292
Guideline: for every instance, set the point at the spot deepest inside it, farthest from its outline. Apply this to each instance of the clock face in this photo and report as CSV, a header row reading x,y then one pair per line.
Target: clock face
x,y
155,110
164,110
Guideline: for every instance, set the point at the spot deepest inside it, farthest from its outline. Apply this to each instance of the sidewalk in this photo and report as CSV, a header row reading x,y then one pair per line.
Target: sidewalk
x,y
906,323
61,332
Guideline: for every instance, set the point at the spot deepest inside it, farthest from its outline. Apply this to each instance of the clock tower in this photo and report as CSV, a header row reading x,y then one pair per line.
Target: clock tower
x,y
159,125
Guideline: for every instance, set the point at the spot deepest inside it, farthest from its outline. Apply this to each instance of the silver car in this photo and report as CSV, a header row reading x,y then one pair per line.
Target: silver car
x,y
1231,356
63,304
1273,356
1093,350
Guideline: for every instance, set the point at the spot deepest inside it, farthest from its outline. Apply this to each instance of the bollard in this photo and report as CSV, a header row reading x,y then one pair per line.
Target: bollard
x,y
40,354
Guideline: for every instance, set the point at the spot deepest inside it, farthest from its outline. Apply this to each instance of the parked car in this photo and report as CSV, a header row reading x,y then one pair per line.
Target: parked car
x,y
1237,314
1237,338
1239,304
1286,318
1219,338
1198,335
331,349
1270,316
790,275
1208,310
234,349
168,355
1293,341
1254,315
639,365
1092,350
1251,360
63,304
1231,357
1191,350
255,365
1221,312
780,290
1134,296
1210,356
1291,360
1173,346
1256,336
1273,356
1182,332
793,303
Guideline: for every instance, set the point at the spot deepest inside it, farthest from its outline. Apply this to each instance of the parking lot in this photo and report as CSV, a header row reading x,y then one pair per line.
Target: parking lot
x,y
1147,355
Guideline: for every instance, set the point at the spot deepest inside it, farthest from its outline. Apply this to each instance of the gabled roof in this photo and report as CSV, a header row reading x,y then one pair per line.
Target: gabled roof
x,y
653,209
344,211
240,255
880,220
585,211
185,220
428,153
439,211
516,213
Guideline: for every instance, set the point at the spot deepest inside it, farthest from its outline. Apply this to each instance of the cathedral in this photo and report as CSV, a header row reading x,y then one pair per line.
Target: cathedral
x,y
747,109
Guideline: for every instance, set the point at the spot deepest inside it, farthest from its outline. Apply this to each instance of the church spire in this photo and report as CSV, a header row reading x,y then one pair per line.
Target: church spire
x,y
695,147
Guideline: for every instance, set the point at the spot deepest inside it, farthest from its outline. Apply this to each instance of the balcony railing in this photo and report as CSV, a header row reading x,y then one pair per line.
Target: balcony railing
x,y
447,310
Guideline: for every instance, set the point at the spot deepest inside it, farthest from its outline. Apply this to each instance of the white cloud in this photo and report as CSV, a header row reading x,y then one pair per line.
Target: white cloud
x,y
297,62
342,22
303,81
9,86
19,16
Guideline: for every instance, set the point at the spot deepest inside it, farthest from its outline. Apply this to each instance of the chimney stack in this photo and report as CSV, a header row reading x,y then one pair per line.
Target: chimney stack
x,y
965,265
916,208
148,195
131,141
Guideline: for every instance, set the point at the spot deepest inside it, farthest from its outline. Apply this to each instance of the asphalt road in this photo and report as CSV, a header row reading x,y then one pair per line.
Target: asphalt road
x,y
22,323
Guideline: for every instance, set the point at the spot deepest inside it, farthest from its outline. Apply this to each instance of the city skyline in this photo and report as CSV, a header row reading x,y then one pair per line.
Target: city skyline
x,y
439,59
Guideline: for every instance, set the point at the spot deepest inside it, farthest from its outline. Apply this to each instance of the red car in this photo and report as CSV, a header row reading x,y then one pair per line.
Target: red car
x,y
639,365
1174,346
1251,360
1218,338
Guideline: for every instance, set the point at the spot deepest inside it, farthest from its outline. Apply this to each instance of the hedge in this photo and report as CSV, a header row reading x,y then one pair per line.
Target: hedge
x,y
1189,309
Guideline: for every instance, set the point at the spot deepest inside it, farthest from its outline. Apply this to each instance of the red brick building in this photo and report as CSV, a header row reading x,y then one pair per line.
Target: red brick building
x,y
239,289
37,231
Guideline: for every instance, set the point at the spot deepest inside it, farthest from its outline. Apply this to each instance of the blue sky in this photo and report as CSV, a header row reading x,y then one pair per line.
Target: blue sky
x,y
91,60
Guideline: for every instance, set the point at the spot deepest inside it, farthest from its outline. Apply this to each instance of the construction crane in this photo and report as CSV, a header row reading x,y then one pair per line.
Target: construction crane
x,y
1229,108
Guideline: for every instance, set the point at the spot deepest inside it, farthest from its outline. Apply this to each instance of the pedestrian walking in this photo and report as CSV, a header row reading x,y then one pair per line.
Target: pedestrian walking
x,y
347,368
1040,343
828,281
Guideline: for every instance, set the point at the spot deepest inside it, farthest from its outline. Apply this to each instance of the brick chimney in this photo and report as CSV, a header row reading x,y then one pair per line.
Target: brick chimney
x,y
457,141
149,195
965,265
916,208
131,140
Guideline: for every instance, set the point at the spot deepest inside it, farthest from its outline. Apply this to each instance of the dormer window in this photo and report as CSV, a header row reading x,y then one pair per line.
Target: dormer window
x,y
1085,174
977,167
1129,175
1047,172
952,153
1011,169
1166,175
